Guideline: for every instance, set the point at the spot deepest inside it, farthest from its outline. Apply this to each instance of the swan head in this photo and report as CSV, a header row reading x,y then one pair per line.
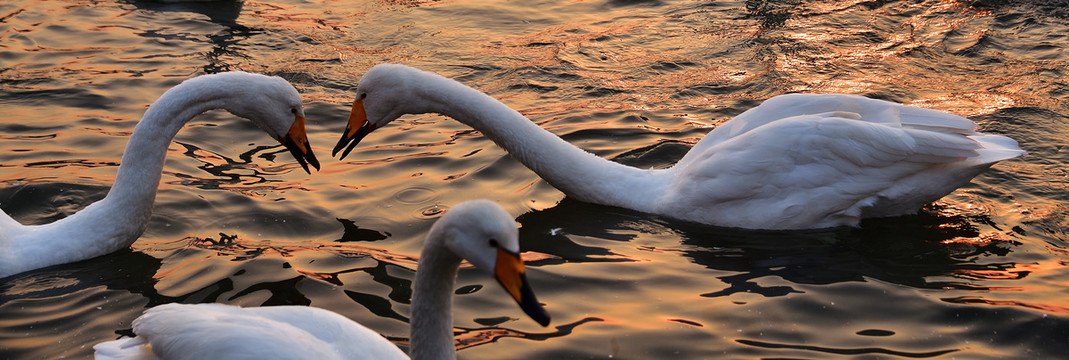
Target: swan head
x,y
482,233
386,92
274,105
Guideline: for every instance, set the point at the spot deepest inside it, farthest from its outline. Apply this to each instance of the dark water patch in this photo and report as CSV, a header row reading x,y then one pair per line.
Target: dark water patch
x,y
43,203
377,305
846,351
635,2
743,286
223,12
545,231
663,154
592,91
672,65
467,289
55,164
74,98
493,321
282,292
771,14
472,337
533,87
687,322
353,232
1006,327
540,44
875,332
122,270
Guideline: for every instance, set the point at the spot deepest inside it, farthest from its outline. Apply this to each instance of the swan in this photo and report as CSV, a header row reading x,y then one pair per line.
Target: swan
x,y
797,161
120,217
478,231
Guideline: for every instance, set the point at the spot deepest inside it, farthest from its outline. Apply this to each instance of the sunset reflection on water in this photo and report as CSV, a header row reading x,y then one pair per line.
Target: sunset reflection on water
x,y
981,273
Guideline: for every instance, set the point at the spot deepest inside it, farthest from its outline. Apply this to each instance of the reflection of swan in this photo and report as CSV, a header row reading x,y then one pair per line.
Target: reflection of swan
x,y
117,220
796,161
479,231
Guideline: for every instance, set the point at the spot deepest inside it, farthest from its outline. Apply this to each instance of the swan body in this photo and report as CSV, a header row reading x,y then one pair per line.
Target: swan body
x,y
797,161
480,232
119,218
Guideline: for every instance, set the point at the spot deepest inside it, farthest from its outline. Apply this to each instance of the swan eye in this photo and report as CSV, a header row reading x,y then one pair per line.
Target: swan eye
x,y
493,243
293,111
363,96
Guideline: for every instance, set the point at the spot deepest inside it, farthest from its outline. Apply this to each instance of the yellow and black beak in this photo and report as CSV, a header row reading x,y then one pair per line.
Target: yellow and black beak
x,y
357,128
296,140
509,272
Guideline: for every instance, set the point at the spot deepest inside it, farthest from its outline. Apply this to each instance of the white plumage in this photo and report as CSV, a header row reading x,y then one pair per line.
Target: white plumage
x,y
480,232
217,331
117,220
796,161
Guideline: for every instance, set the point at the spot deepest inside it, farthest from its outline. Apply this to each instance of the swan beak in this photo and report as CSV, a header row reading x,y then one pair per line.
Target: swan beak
x,y
509,272
357,128
296,140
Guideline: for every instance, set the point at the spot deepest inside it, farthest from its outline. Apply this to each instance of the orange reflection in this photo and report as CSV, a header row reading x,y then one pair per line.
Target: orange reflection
x,y
1061,309
1055,304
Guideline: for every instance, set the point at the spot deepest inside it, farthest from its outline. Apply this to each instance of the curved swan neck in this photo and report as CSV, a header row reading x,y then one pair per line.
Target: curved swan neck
x,y
570,169
141,168
121,216
432,303
117,220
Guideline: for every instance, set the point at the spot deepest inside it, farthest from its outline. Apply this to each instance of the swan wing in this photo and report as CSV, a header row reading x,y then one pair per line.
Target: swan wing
x,y
819,170
205,331
868,110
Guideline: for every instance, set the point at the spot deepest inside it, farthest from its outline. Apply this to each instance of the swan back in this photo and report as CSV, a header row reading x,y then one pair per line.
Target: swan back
x,y
854,156
206,331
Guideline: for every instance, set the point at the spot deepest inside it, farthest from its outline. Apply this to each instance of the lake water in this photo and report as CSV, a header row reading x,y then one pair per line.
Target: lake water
x,y
982,273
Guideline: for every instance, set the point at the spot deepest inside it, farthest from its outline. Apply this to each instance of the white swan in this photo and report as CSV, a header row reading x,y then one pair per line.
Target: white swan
x,y
119,218
479,231
794,162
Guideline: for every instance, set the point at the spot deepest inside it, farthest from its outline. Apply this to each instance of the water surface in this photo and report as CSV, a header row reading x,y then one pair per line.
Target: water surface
x,y
982,273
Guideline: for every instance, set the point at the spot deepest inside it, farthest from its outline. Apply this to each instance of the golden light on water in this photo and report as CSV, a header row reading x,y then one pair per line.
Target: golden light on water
x,y
237,221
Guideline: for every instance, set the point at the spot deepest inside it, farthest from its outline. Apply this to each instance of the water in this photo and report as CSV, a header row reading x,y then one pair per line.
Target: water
x,y
982,273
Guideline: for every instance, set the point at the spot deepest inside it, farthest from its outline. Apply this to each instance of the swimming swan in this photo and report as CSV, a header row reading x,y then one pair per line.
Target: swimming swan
x,y
797,161
119,218
479,231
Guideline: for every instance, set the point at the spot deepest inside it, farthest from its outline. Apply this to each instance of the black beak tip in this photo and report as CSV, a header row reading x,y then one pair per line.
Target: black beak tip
x,y
349,143
312,161
530,305
538,314
341,144
302,158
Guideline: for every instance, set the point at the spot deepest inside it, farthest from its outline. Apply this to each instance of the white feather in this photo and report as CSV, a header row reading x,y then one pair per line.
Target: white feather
x,y
796,161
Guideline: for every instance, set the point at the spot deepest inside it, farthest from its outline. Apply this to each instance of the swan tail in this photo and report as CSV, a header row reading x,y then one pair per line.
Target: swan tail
x,y
125,348
948,135
934,120
941,147
995,148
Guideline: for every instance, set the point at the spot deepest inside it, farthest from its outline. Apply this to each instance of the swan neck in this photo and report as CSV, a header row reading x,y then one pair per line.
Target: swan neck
x,y
574,171
432,303
130,199
143,159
